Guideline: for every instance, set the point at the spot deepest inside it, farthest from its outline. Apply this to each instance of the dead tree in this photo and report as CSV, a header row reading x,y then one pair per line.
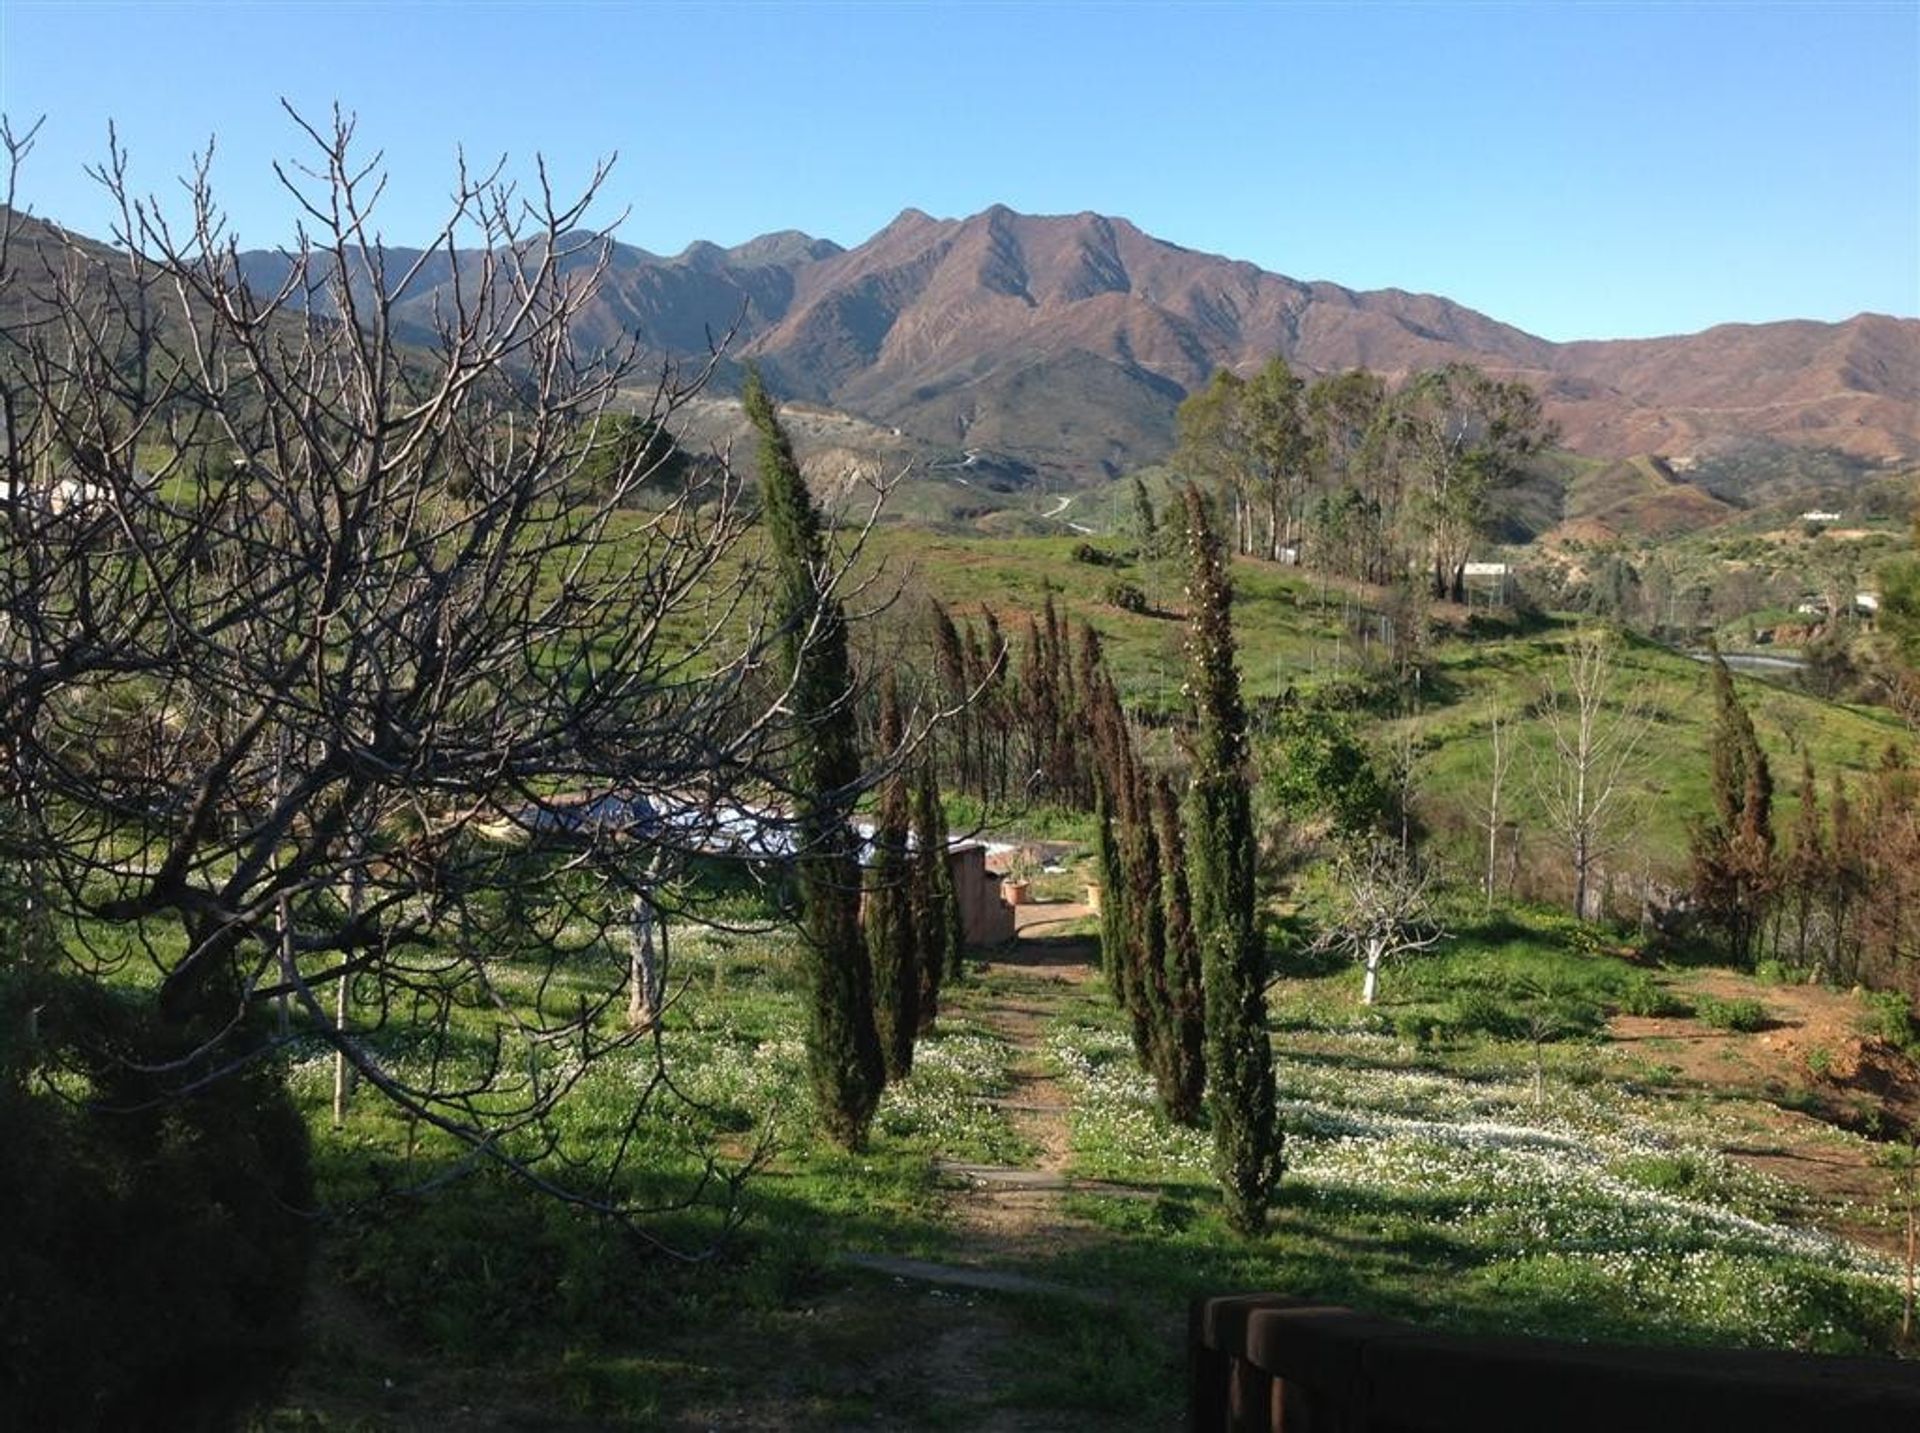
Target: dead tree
x,y
1589,780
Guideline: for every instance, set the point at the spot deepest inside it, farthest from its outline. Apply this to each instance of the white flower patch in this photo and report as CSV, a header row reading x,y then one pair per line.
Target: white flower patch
x,y
1549,1184
1118,1130
1589,1194
943,1100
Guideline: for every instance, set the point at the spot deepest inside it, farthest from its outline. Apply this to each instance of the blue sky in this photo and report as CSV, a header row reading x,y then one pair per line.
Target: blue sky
x,y
1580,170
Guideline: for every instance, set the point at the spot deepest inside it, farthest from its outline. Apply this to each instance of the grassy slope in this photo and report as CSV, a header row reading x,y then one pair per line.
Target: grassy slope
x,y
1429,1178
1512,672
1291,632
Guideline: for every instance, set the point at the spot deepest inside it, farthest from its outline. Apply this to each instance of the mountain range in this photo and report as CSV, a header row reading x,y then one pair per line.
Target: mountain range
x,y
1060,346
1064,343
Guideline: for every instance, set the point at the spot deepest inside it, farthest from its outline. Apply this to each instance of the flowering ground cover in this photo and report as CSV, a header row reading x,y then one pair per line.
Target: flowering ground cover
x,y
1438,1169
1459,1188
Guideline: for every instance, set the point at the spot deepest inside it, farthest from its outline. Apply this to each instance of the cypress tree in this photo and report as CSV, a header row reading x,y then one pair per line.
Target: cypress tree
x,y
1734,875
1146,933
1186,1006
1239,1057
843,1051
1807,872
1145,526
1848,875
891,929
934,907
950,658
955,943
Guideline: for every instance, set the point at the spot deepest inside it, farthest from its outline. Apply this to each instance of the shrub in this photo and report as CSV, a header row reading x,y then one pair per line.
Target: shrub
x,y
1743,1016
1127,597
1417,1027
1476,1012
1887,1017
1643,995
1094,557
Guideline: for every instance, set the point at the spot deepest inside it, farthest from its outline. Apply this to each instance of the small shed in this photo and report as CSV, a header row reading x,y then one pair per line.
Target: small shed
x,y
985,916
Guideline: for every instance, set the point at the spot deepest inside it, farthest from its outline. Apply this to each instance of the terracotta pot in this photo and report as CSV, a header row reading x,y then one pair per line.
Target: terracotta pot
x,y
1015,892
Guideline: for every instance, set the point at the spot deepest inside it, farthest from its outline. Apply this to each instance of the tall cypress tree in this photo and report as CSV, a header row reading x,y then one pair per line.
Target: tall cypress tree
x,y
931,889
1185,1036
955,941
843,1051
1146,933
1846,876
889,905
1808,870
1239,1056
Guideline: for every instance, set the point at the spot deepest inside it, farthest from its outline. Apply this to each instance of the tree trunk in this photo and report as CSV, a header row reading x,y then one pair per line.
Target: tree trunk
x,y
644,974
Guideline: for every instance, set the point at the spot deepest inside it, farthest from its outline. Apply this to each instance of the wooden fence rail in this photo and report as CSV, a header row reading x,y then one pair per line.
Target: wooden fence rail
x,y
1264,1364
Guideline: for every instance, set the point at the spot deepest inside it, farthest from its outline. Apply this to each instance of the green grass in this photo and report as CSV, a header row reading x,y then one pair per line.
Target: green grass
x,y
1294,632
1673,770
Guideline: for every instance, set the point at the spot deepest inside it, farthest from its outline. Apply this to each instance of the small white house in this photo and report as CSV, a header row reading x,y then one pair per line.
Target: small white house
x,y
1495,579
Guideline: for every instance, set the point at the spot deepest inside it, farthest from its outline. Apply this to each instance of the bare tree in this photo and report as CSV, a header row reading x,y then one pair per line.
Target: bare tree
x,y
344,658
1590,781
1383,907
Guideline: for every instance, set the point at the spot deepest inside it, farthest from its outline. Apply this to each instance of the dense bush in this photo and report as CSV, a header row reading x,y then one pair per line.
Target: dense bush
x,y
1888,1016
1314,765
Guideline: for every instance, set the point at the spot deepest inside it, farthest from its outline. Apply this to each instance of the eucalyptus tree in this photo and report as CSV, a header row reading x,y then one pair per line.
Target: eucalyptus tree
x,y
1459,436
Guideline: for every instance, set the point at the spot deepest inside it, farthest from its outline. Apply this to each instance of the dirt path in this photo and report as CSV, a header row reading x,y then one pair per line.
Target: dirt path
x,y
1005,1218
1014,1214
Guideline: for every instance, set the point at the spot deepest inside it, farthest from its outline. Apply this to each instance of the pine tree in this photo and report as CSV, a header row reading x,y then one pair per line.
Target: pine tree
x,y
889,918
843,1050
1239,1056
